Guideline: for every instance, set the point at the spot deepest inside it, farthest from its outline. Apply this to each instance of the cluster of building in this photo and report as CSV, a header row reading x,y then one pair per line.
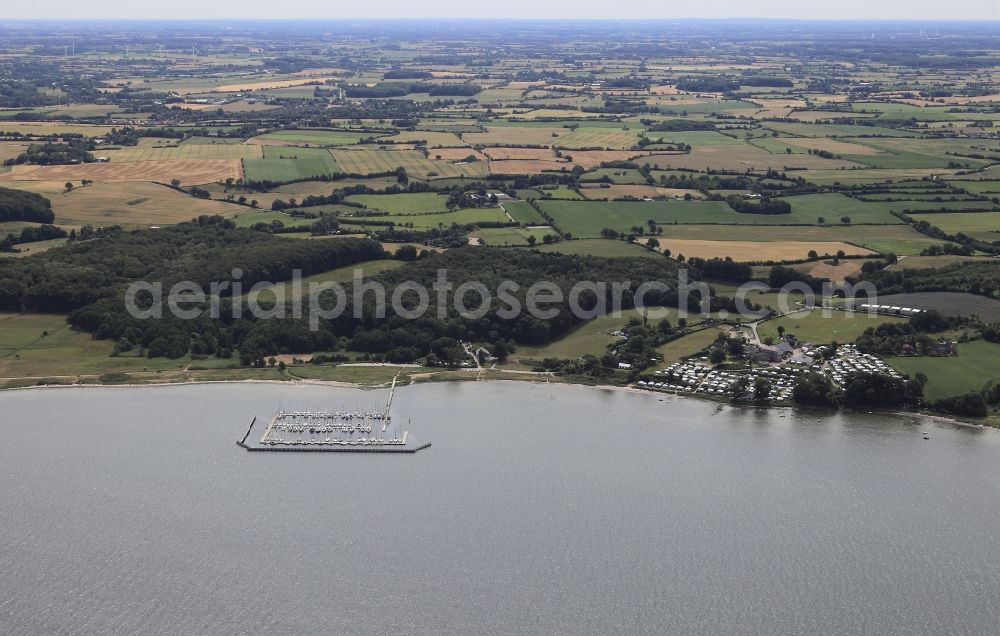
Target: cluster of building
x,y
699,379
889,309
680,376
849,360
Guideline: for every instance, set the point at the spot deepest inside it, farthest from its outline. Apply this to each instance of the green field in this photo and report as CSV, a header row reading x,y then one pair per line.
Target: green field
x,y
592,337
251,218
625,176
978,187
44,345
511,236
371,160
836,130
815,328
281,164
982,225
976,363
857,234
339,275
409,203
442,220
930,262
314,137
586,219
523,212
695,138
688,345
561,192
808,208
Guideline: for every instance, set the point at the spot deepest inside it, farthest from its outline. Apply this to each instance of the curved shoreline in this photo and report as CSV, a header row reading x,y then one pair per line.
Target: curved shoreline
x,y
939,419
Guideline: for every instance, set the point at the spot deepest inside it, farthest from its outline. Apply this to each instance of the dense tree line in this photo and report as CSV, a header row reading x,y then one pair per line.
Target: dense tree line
x,y
399,339
434,237
18,205
780,275
677,125
979,277
88,279
859,390
719,84
760,206
84,272
891,338
722,269
766,81
74,151
43,232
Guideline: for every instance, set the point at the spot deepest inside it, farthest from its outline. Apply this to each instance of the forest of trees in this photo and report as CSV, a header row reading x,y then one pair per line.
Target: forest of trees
x,y
88,280
18,205
74,151
980,277
760,206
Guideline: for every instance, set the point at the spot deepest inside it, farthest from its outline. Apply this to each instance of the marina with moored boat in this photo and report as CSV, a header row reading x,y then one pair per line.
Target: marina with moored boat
x,y
361,430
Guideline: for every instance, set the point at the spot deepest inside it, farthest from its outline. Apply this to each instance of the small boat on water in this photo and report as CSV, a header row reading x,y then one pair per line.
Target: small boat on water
x,y
927,435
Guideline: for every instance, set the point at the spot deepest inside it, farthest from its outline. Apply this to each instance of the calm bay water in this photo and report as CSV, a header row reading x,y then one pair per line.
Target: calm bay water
x,y
539,509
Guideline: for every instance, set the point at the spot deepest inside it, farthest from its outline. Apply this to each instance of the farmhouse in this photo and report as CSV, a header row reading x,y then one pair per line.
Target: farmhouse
x,y
944,348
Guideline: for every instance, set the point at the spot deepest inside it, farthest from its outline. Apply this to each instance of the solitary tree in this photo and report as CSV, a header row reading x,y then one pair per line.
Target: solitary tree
x,y
718,356
761,389
739,387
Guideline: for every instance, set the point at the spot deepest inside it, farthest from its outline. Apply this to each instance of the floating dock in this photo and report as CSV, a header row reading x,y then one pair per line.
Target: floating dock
x,y
367,431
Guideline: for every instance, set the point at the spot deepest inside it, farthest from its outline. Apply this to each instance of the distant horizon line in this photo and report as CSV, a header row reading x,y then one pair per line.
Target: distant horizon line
x,y
510,19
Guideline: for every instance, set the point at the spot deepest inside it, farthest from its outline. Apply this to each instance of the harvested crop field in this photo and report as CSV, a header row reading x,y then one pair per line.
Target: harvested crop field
x,y
190,172
518,136
591,159
311,137
542,154
11,150
607,138
270,84
529,166
830,145
364,161
430,139
836,273
133,204
184,152
742,157
455,154
753,251
638,191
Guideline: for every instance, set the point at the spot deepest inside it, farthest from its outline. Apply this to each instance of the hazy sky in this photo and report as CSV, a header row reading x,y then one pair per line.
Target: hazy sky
x,y
812,9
